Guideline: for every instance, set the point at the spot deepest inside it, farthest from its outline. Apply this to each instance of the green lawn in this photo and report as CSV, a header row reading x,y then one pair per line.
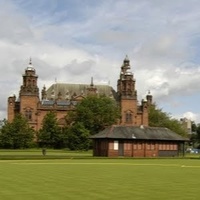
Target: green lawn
x,y
93,179
37,154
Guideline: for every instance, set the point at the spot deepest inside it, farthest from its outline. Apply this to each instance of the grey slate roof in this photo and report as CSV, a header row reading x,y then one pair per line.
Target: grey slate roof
x,y
78,89
59,103
139,133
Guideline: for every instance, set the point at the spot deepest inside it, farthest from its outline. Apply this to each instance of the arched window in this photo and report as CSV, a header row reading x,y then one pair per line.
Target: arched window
x,y
128,117
28,114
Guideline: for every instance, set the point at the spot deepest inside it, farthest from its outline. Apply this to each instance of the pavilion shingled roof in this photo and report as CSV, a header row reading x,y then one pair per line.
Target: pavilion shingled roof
x,y
138,132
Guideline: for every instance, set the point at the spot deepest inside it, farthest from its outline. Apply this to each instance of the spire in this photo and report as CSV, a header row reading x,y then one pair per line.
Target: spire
x,y
92,90
126,63
126,58
91,84
30,61
44,93
30,66
149,98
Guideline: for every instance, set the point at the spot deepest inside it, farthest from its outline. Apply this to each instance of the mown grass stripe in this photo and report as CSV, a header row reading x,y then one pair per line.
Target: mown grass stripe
x,y
100,179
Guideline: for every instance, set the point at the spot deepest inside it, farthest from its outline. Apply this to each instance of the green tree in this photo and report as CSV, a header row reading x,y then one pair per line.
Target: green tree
x,y
95,113
50,135
194,127
195,136
77,137
16,134
158,118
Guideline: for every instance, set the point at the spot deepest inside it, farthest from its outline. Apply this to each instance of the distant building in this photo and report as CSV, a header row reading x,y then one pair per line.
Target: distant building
x,y
63,97
186,124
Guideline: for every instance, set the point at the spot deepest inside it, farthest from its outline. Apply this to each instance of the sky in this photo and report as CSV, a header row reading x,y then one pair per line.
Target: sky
x,y
73,40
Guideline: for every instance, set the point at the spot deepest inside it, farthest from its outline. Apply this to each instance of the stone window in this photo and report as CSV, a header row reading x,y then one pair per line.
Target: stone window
x,y
29,82
28,114
128,116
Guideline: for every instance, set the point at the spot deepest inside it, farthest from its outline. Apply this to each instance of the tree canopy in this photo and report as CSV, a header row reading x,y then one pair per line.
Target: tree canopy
x,y
95,113
50,134
16,134
77,137
195,136
158,118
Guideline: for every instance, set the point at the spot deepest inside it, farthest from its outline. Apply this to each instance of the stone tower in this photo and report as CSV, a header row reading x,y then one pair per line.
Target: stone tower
x,y
92,90
29,95
131,112
11,108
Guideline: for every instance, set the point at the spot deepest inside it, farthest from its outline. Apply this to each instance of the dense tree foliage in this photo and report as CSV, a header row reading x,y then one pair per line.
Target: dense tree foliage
x,y
95,113
77,137
195,137
50,135
158,118
92,115
17,134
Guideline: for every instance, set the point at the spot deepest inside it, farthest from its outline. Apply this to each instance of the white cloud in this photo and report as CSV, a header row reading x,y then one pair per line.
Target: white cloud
x,y
191,116
195,117
75,41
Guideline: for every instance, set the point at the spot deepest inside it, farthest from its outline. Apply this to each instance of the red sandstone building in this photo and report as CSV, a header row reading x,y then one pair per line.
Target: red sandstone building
x,y
63,97
132,137
125,139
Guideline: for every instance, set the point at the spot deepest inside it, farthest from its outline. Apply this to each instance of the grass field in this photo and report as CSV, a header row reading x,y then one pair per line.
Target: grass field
x,y
37,154
99,179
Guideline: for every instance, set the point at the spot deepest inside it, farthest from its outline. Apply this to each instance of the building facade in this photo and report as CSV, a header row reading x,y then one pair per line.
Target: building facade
x,y
63,97
187,125
137,141
131,112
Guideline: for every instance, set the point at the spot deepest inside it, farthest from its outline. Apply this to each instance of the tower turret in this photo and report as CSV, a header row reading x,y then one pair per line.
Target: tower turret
x,y
44,93
11,108
92,90
131,112
29,86
126,82
149,98
29,95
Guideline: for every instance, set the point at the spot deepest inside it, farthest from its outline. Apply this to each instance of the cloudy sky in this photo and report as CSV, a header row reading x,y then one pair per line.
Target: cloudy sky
x,y
74,40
